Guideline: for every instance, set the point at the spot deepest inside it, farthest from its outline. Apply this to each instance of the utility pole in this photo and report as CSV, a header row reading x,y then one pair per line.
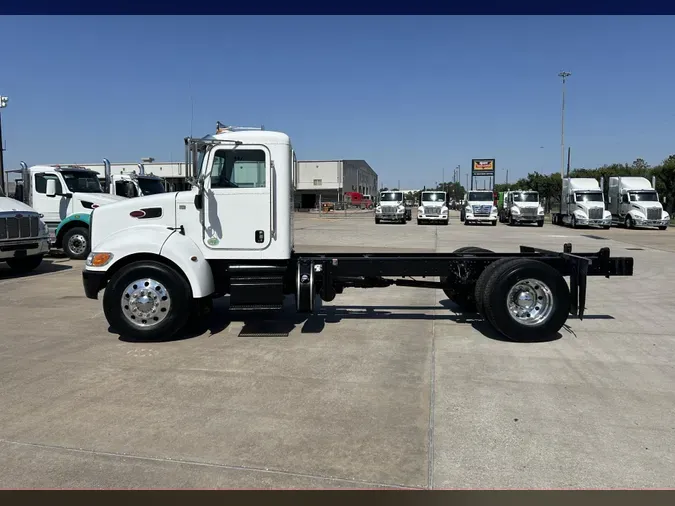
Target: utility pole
x,y
564,75
3,104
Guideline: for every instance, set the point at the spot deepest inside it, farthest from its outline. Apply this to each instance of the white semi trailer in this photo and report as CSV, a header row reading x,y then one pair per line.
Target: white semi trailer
x,y
162,259
582,204
633,202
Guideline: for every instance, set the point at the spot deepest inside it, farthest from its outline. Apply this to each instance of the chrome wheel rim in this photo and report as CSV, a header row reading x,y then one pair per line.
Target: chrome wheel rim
x,y
77,244
145,303
530,302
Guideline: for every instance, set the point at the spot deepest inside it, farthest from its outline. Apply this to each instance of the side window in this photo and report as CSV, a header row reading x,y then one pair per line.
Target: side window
x,y
41,183
239,168
120,188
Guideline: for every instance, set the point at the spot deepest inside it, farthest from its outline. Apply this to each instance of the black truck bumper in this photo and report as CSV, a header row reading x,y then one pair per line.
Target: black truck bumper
x,y
93,283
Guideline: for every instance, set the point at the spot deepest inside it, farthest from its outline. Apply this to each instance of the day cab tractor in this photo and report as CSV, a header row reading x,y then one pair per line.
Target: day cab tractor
x,y
479,208
392,208
161,260
433,208
517,207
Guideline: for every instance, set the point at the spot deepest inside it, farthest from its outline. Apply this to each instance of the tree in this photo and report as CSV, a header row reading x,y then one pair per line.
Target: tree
x,y
665,175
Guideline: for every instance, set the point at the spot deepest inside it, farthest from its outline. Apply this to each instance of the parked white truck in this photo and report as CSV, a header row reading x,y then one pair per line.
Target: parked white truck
x,y
391,207
64,195
433,208
633,202
582,204
479,208
24,237
521,207
130,184
161,260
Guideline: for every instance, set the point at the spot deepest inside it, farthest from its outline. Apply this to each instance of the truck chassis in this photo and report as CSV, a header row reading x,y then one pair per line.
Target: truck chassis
x,y
524,295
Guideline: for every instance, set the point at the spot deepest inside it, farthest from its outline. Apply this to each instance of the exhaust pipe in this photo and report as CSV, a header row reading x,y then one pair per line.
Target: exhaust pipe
x,y
602,184
25,177
141,169
107,174
653,182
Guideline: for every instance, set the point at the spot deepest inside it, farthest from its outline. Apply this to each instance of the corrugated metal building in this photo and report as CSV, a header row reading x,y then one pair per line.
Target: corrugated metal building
x,y
328,180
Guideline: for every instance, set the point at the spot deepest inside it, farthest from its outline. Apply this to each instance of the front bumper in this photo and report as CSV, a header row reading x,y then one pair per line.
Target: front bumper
x,y
485,219
433,217
601,223
93,282
32,247
390,216
651,223
527,219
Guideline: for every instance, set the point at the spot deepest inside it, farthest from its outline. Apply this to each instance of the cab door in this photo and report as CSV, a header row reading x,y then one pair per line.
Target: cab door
x,y
238,204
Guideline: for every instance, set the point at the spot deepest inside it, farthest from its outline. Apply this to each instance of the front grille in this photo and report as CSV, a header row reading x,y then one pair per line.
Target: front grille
x,y
389,211
654,214
25,227
596,213
432,211
482,210
529,211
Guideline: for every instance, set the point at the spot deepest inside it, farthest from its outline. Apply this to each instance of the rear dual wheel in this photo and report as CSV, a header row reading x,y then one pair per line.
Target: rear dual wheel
x,y
463,295
523,299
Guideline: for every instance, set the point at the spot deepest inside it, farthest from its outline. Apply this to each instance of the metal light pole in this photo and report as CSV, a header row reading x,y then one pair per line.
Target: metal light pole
x,y
3,104
564,76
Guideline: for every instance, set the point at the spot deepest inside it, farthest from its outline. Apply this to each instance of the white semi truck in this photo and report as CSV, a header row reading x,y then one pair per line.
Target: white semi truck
x,y
521,207
391,207
65,204
161,260
24,237
479,207
582,204
433,208
633,202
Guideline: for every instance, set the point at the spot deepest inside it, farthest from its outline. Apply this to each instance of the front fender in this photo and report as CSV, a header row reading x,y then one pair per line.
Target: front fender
x,y
81,217
189,258
580,214
634,213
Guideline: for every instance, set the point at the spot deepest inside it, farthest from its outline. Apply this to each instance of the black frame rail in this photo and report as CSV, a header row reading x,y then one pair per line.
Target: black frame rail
x,y
369,270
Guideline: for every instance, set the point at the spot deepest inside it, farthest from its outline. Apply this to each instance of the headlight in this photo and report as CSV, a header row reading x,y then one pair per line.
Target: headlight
x,y
468,209
43,229
494,209
541,210
98,259
400,209
515,210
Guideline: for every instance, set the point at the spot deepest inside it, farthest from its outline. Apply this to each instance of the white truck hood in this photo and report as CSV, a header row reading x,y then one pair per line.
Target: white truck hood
x,y
9,205
100,199
525,205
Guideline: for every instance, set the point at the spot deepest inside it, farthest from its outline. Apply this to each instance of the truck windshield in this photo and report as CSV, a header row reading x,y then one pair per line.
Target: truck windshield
x,y
433,197
82,181
150,185
2,192
480,196
526,197
589,197
391,197
644,196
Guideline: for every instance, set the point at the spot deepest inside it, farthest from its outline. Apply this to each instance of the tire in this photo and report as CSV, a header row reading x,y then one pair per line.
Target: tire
x,y
173,284
461,216
200,316
606,227
25,264
463,296
512,222
540,223
419,222
482,280
663,228
446,222
466,223
76,243
629,222
377,221
494,223
574,222
544,281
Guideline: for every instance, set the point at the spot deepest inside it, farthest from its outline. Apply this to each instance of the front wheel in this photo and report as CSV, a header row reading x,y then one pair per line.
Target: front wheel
x,y
446,222
494,223
147,301
76,243
540,223
663,228
377,221
629,222
25,264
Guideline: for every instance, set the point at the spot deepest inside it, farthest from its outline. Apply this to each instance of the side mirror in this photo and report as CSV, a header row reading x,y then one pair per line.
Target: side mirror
x,y
199,200
51,188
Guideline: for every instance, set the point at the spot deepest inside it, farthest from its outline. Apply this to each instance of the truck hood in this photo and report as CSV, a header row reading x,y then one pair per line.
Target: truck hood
x,y
527,205
11,205
590,205
480,203
100,199
647,205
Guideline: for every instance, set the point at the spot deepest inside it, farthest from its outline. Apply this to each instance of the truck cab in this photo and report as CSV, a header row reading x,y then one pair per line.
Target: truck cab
x,y
24,237
634,202
391,208
479,208
65,196
518,206
433,208
583,204
130,184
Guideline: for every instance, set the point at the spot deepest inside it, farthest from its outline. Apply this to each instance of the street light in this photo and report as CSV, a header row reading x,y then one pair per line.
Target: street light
x,y
564,75
3,104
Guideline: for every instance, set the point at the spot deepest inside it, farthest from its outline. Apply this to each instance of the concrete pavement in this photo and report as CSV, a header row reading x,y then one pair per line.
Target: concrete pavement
x,y
383,388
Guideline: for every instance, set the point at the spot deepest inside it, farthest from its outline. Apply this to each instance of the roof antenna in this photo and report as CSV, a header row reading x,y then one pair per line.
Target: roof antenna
x,y
192,109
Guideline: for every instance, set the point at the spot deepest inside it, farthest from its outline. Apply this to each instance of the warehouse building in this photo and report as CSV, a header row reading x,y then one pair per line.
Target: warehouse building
x,y
328,180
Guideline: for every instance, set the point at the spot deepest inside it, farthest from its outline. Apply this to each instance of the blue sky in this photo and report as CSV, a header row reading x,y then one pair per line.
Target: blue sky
x,y
410,95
